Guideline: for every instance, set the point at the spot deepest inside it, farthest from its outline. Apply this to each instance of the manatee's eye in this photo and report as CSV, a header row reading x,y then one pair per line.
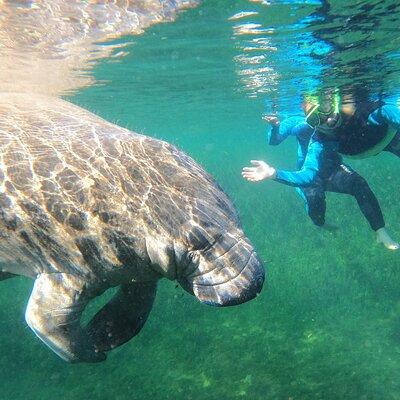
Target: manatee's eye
x,y
193,257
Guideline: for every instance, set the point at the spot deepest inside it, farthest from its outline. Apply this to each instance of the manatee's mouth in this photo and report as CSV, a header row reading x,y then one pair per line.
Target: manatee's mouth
x,y
226,274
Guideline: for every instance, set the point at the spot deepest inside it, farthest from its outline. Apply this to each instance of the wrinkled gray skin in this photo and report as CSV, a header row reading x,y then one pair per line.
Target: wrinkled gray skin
x,y
86,205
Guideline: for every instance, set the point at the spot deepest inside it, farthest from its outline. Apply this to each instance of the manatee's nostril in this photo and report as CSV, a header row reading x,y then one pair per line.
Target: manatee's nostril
x,y
247,294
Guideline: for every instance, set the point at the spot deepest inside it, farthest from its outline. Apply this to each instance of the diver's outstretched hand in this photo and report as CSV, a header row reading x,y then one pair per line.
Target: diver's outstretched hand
x,y
260,171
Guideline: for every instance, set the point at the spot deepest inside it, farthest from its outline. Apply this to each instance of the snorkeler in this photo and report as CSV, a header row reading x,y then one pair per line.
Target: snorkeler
x,y
362,127
320,169
352,126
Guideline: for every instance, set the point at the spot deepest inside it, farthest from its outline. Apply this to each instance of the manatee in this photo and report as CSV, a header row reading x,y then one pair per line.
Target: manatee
x,y
86,205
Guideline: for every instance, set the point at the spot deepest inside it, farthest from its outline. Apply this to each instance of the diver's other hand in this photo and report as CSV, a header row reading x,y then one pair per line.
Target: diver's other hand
x,y
260,171
271,119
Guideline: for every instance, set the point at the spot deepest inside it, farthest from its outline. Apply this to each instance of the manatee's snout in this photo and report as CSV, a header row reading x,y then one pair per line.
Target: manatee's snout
x,y
236,289
225,273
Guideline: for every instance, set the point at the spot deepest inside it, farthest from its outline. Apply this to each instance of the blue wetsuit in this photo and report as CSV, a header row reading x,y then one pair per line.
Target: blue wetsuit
x,y
315,159
320,169
322,153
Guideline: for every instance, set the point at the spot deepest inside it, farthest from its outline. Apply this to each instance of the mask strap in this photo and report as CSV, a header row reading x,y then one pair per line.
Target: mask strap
x,y
312,110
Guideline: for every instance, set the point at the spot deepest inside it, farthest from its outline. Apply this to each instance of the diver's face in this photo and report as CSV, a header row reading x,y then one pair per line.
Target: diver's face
x,y
326,106
329,126
322,117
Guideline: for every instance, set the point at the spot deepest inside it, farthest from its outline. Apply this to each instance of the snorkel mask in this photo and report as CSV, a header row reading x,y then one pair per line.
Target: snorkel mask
x,y
324,115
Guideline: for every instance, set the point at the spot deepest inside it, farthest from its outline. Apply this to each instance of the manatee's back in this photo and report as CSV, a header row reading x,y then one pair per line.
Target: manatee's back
x,y
80,193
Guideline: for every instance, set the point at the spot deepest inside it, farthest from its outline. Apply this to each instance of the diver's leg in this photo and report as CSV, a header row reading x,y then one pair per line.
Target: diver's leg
x,y
394,146
123,316
346,180
314,197
389,114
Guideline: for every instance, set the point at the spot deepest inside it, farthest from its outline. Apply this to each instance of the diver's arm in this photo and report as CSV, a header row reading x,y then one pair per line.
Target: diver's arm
x,y
386,114
280,130
273,136
308,173
304,177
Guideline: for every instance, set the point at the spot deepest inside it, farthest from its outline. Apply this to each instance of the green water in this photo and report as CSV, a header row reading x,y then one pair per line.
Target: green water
x,y
327,324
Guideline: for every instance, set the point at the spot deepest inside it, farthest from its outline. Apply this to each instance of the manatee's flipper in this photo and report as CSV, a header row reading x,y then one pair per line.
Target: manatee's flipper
x,y
123,316
6,275
53,313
